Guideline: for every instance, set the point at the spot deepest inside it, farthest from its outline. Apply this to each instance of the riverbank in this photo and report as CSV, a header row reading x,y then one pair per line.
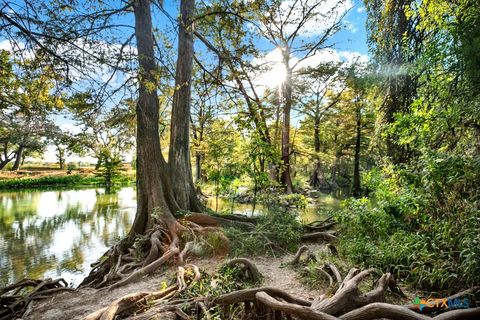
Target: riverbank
x,y
276,272
284,259
39,178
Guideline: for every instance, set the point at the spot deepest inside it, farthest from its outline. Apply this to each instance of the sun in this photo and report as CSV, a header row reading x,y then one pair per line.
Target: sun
x,y
276,76
276,72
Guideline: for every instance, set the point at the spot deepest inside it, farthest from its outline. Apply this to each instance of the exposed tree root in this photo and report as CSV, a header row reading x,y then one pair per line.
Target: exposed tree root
x,y
349,297
316,226
321,235
347,303
250,269
300,252
394,312
134,259
333,250
14,299
214,220
320,230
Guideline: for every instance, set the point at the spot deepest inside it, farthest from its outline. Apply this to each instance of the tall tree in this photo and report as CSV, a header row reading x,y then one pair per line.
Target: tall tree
x,y
179,152
396,43
316,97
152,184
286,25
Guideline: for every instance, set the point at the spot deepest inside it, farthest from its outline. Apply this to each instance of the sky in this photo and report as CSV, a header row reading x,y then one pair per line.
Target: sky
x,y
348,44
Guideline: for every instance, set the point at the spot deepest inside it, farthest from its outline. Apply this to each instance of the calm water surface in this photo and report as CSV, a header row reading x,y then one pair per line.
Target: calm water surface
x,y
59,233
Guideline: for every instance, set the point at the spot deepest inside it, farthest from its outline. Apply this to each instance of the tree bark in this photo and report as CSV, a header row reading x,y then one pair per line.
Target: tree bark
x,y
151,166
356,190
18,158
179,153
286,179
198,167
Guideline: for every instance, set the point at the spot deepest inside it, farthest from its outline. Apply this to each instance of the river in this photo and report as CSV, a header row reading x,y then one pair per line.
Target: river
x,y
60,232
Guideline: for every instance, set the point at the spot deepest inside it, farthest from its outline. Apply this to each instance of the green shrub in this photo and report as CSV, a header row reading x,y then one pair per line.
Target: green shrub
x,y
42,181
423,232
70,167
46,181
276,230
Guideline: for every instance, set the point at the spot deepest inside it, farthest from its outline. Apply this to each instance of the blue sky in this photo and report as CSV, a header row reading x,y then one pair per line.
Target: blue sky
x,y
354,38
351,40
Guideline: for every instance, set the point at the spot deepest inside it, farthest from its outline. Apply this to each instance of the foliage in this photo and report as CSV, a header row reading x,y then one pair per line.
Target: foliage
x,y
70,167
26,102
277,230
40,182
68,180
110,167
106,136
312,277
292,200
226,279
426,234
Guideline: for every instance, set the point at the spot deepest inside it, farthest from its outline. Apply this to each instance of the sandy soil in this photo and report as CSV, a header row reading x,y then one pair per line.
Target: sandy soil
x,y
78,304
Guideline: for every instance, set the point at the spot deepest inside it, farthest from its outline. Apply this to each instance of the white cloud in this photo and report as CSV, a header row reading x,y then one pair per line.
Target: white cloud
x,y
353,57
273,72
361,9
320,57
351,26
322,17
17,49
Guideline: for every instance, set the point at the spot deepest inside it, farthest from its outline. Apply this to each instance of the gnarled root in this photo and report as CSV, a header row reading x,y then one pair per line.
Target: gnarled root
x,y
300,252
347,303
348,296
154,302
321,235
251,271
14,300
131,260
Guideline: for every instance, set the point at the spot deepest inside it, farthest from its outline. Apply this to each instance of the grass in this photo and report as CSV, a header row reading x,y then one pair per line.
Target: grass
x,y
47,181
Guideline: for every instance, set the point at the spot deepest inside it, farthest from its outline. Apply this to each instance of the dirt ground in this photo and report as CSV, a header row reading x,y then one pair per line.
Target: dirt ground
x,y
80,303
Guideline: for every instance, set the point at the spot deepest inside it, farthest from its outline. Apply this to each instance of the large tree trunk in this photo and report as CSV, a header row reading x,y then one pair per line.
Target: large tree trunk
x,y
18,158
151,166
356,190
286,179
179,153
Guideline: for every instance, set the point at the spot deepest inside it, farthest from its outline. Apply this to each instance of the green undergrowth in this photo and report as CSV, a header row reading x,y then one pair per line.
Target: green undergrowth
x,y
276,231
310,276
227,279
425,233
68,180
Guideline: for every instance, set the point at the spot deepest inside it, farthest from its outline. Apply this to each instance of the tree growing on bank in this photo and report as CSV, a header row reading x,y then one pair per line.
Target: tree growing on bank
x,y
27,101
287,26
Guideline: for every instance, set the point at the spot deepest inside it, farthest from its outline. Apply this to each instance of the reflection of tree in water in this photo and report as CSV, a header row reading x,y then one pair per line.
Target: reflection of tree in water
x,y
27,241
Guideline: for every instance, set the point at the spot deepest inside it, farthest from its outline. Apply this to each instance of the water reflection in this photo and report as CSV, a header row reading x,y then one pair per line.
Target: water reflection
x,y
315,210
59,232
